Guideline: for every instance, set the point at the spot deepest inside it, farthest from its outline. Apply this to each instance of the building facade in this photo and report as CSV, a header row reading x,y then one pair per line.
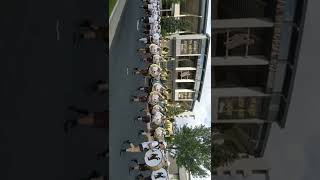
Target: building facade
x,y
189,59
245,167
194,11
188,51
255,48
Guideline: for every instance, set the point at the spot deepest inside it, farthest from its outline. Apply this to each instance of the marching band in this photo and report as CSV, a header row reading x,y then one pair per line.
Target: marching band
x,y
156,157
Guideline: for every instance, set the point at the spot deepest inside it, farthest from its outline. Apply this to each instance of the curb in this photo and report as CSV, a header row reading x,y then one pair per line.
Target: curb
x,y
115,18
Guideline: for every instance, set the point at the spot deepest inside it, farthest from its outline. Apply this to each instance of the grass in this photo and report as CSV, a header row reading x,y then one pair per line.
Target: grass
x,y
112,3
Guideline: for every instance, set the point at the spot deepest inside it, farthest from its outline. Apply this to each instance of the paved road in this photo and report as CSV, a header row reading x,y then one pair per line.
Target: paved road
x,y
123,55
39,77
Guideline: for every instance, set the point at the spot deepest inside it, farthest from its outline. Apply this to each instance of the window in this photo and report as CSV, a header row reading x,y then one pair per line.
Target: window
x,y
240,76
185,85
228,9
241,108
187,61
185,95
243,42
190,46
240,172
247,135
187,74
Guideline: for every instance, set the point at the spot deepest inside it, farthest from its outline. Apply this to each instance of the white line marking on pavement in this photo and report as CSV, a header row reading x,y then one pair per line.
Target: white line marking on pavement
x,y
138,22
127,71
57,30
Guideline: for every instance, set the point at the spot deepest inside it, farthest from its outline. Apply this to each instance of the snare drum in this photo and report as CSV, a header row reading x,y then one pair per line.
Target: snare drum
x,y
160,174
155,168
154,159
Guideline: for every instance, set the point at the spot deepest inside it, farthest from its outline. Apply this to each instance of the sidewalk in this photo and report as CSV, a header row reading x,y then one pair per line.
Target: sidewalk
x,y
115,18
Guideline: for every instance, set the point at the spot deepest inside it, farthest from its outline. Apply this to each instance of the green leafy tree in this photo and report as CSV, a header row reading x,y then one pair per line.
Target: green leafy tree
x,y
232,141
171,25
174,110
192,149
223,155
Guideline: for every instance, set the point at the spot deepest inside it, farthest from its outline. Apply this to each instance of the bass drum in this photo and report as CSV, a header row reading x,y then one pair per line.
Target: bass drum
x,y
160,174
155,168
154,159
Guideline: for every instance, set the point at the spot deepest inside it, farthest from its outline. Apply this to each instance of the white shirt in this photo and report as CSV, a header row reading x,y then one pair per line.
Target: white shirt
x,y
159,132
154,144
158,78
156,108
156,41
152,6
156,59
157,118
155,17
157,87
153,11
153,99
154,71
154,30
156,36
152,20
155,25
153,1
154,49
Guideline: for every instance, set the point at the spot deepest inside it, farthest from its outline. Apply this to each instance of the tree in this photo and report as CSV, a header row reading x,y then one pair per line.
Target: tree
x,y
171,25
223,155
192,149
235,142
174,110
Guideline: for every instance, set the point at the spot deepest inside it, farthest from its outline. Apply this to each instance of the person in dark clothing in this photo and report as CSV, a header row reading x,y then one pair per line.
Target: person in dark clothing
x,y
145,119
146,89
144,72
140,98
141,177
139,166
86,118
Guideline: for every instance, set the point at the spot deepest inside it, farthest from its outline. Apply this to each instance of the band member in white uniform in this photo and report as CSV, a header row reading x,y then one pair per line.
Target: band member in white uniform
x,y
149,145
154,70
153,49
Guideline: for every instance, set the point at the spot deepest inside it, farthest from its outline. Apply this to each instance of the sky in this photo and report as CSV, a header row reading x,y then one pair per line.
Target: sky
x,y
202,109
293,152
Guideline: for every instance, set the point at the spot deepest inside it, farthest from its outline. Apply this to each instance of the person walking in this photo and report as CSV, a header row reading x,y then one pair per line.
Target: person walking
x,y
143,146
